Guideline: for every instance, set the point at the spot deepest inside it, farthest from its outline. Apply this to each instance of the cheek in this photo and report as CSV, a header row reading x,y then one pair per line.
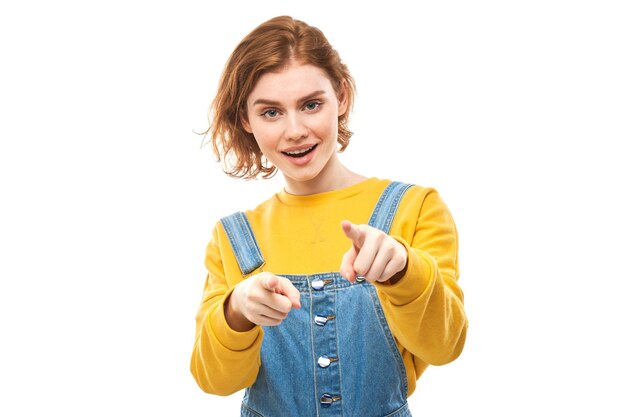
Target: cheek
x,y
322,121
265,137
326,126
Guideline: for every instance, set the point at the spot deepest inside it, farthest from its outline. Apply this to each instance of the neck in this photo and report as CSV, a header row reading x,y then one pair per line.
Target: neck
x,y
333,177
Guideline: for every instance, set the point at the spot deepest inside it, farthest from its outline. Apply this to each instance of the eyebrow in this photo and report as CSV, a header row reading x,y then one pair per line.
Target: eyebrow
x,y
276,103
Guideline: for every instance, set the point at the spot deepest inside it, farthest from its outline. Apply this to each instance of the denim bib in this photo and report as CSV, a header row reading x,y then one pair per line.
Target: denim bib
x,y
334,356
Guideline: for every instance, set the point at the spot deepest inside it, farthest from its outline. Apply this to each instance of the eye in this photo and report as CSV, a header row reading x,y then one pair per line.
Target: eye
x,y
270,113
312,105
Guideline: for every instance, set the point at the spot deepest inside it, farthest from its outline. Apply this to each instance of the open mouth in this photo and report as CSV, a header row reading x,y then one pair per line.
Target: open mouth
x,y
300,153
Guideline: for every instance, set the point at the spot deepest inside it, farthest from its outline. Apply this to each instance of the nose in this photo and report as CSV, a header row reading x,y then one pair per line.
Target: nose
x,y
295,129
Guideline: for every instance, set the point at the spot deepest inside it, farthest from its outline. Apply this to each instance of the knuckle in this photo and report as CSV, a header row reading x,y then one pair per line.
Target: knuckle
x,y
286,307
281,305
254,297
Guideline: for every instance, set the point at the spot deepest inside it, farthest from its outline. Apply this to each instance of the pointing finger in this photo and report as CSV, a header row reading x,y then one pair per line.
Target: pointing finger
x,y
353,233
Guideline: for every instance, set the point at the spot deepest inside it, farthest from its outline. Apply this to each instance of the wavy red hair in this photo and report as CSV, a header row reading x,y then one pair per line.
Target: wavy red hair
x,y
269,48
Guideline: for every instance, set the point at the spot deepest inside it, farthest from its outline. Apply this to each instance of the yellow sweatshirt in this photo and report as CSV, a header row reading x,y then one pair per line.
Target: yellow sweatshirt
x,y
303,235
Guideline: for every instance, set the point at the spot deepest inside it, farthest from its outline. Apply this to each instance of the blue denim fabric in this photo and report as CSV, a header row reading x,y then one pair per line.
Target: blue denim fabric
x,y
243,242
335,356
387,205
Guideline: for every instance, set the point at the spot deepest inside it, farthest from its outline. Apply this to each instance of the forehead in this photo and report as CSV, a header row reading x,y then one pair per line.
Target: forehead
x,y
291,83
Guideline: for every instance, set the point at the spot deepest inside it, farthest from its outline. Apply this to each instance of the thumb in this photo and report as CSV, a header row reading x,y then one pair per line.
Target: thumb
x,y
347,264
353,233
270,283
286,288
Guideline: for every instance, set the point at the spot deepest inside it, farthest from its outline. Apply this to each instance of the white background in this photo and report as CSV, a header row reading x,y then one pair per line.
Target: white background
x,y
514,110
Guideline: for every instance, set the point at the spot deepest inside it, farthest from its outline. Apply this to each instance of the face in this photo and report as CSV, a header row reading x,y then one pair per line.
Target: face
x,y
293,115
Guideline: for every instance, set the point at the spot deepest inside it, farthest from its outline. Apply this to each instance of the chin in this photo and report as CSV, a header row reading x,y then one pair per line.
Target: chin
x,y
302,177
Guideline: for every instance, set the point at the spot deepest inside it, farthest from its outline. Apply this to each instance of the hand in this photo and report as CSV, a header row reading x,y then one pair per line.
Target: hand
x,y
374,254
264,299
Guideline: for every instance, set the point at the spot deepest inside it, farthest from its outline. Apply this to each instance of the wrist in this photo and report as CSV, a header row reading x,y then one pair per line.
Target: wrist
x,y
398,275
234,318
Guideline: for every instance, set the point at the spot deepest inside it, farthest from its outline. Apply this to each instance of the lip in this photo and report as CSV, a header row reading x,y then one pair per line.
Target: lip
x,y
302,160
299,147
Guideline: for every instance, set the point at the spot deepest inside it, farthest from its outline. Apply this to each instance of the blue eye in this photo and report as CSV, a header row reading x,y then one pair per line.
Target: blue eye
x,y
271,113
312,105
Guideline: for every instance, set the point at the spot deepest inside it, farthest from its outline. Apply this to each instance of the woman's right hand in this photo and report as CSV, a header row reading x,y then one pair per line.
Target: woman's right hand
x,y
264,299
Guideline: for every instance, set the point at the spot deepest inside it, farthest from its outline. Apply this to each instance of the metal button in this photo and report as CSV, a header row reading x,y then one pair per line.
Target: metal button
x,y
317,284
323,362
320,320
360,278
326,400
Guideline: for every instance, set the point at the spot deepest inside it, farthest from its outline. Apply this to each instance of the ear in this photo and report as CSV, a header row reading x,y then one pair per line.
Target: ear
x,y
245,123
342,97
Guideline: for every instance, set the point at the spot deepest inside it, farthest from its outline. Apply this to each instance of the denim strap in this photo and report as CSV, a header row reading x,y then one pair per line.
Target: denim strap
x,y
387,205
243,242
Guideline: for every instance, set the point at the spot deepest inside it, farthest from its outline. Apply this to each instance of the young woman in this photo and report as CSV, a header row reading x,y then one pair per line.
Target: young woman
x,y
335,294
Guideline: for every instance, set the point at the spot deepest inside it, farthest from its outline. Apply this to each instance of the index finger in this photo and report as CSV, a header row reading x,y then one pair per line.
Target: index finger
x,y
353,232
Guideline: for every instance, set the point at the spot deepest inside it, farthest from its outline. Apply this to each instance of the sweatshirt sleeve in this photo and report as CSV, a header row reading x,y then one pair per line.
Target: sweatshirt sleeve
x,y
425,307
223,360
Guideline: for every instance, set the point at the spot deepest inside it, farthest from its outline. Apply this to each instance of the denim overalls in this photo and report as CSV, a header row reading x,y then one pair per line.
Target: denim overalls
x,y
335,356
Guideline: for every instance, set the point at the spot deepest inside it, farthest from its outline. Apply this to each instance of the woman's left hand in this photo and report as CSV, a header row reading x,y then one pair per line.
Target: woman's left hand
x,y
374,255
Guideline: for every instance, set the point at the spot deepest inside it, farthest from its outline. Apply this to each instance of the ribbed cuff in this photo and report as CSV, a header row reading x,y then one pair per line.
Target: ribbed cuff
x,y
414,282
229,338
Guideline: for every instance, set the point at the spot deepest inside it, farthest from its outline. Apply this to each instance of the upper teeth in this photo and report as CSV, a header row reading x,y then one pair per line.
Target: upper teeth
x,y
300,151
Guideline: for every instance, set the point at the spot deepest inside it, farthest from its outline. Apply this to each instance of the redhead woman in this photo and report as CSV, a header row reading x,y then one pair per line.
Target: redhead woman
x,y
334,295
